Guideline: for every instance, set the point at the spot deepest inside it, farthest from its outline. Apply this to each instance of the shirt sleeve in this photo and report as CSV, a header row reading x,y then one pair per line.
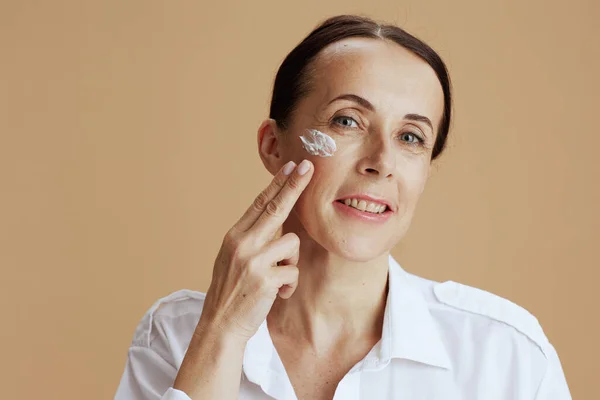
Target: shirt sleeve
x,y
148,376
158,346
174,394
554,384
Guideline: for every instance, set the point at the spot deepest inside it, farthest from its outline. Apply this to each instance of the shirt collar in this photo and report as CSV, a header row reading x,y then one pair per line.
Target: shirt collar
x,y
262,365
409,332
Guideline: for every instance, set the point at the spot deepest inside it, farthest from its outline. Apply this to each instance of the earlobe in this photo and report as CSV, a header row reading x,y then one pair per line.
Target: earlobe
x,y
268,146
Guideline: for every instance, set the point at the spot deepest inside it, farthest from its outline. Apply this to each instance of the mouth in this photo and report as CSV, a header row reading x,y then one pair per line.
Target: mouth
x,y
366,204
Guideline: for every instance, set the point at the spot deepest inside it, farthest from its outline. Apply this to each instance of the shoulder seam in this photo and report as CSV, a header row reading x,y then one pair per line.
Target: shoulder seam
x,y
452,294
142,334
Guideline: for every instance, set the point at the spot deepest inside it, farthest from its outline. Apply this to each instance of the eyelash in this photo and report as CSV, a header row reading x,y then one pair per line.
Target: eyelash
x,y
418,138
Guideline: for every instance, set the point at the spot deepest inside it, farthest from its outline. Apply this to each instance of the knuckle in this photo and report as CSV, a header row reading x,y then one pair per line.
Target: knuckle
x,y
242,246
230,240
261,201
249,244
274,207
267,284
293,182
293,239
253,264
295,272
236,254
279,181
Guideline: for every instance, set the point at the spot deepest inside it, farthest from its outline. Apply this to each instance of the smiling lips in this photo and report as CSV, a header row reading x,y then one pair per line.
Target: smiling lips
x,y
363,205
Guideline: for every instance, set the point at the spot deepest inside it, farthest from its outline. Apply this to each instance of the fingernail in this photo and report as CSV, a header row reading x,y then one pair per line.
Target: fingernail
x,y
289,167
303,167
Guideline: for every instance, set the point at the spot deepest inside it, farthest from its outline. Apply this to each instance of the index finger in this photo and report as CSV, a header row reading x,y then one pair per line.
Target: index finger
x,y
260,202
278,209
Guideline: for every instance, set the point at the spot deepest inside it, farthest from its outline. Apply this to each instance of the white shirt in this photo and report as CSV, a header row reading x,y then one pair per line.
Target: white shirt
x,y
439,341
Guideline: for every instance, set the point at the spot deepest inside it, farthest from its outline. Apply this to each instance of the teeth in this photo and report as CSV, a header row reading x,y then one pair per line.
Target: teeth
x,y
363,205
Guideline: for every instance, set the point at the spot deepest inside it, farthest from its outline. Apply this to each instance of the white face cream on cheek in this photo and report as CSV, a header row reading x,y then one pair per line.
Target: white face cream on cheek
x,y
318,143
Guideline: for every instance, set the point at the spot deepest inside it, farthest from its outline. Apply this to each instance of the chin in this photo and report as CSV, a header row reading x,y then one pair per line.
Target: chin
x,y
356,248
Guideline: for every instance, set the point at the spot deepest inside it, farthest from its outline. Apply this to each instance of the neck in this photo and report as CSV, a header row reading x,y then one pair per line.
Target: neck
x,y
336,300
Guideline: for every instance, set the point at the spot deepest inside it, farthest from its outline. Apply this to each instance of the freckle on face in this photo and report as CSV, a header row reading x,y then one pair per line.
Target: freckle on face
x,y
396,85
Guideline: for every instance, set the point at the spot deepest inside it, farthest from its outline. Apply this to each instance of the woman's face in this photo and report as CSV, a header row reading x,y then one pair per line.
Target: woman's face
x,y
382,105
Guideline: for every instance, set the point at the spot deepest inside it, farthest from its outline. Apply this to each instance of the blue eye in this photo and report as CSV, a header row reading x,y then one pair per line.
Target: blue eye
x,y
346,122
410,137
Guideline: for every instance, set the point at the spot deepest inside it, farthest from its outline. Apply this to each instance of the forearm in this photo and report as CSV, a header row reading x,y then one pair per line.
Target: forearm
x,y
212,367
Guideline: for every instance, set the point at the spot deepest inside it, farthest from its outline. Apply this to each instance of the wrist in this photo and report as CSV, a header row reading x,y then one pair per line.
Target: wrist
x,y
216,335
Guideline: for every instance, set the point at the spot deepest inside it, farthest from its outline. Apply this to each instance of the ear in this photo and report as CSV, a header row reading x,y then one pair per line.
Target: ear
x,y
268,140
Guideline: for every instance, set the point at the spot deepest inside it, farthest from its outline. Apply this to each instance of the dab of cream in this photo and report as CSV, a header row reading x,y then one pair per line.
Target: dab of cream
x,y
318,143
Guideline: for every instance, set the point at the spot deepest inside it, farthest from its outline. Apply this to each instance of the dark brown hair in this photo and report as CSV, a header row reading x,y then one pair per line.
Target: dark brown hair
x,y
291,81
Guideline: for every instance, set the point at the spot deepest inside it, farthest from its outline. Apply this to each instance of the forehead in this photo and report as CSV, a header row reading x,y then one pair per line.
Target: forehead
x,y
388,75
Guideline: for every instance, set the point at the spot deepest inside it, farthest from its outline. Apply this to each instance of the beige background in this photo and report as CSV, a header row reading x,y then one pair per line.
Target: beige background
x,y
127,149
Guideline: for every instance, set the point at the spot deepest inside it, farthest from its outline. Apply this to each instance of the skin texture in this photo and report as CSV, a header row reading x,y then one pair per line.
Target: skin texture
x,y
336,313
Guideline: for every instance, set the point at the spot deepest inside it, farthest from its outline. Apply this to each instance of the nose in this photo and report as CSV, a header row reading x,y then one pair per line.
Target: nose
x,y
379,160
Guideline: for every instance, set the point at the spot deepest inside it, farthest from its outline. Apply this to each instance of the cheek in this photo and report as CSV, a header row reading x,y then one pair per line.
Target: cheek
x,y
321,188
323,180
413,179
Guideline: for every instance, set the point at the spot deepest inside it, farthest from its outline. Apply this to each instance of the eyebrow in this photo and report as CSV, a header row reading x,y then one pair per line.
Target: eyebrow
x,y
367,104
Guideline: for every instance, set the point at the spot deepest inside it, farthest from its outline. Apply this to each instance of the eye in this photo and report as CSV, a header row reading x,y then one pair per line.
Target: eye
x,y
346,122
410,137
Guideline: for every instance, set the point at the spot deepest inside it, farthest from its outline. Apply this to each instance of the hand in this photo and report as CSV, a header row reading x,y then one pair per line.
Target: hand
x,y
251,268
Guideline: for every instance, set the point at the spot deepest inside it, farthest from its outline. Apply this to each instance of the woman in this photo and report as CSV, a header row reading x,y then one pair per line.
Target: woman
x,y
358,113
